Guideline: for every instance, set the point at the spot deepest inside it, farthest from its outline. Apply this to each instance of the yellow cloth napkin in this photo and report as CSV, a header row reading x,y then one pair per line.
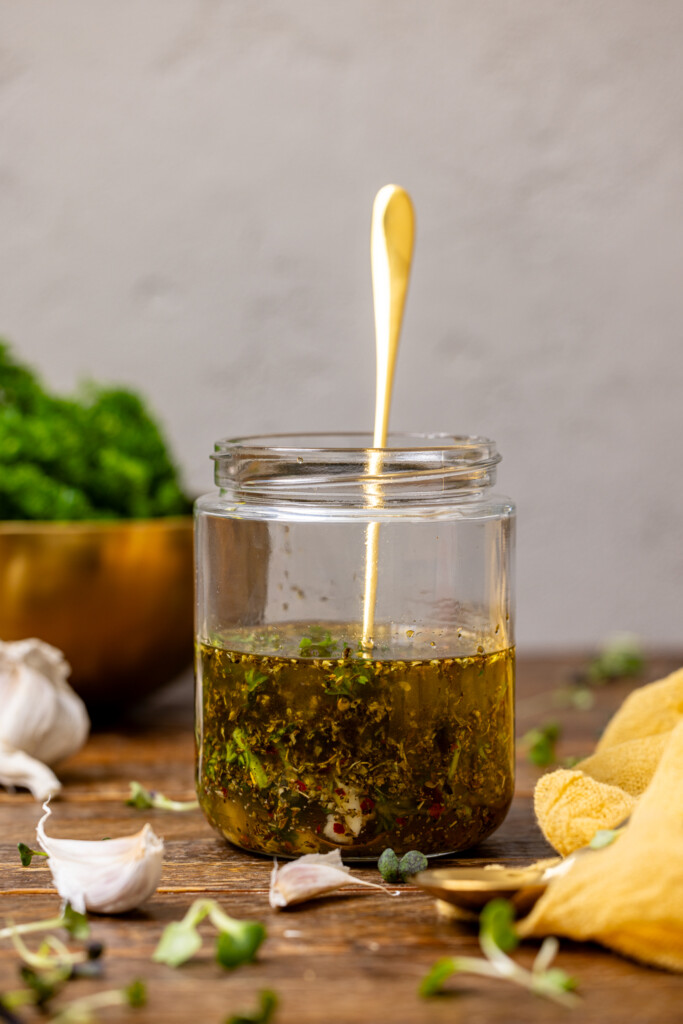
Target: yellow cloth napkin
x,y
572,804
629,895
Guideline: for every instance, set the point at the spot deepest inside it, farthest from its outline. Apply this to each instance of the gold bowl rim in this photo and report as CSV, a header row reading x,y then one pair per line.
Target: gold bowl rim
x,y
29,526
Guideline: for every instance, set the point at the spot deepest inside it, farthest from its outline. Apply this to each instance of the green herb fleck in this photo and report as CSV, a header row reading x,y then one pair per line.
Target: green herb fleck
x,y
621,657
540,744
604,837
262,1015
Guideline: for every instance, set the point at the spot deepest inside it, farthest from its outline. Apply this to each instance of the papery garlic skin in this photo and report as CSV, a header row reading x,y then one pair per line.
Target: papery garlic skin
x,y
106,876
41,716
310,876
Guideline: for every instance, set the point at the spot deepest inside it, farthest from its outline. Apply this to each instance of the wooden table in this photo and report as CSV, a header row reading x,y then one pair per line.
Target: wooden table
x,y
349,958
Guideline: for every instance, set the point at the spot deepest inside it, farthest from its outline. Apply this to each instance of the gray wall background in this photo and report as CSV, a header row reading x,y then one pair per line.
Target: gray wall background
x,y
185,195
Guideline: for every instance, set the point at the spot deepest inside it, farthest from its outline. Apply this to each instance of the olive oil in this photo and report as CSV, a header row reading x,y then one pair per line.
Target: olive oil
x,y
306,743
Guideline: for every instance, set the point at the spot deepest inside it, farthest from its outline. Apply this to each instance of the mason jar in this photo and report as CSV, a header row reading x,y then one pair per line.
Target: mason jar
x,y
355,644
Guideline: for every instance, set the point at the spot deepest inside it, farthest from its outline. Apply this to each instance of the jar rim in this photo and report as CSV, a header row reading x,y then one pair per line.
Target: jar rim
x,y
411,442
419,472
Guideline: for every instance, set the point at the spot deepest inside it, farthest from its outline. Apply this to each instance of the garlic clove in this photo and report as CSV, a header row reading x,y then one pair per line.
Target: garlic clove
x,y
41,714
311,876
107,876
17,768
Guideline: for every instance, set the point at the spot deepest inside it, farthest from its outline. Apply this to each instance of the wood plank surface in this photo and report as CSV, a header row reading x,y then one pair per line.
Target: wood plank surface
x,y
353,957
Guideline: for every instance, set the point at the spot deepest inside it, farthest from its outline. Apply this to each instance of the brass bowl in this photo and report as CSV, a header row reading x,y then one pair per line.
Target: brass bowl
x,y
115,597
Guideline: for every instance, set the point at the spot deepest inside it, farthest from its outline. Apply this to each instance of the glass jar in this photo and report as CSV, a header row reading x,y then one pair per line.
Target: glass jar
x,y
312,732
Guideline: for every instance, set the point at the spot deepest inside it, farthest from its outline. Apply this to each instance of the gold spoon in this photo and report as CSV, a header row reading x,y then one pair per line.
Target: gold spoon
x,y
469,889
391,250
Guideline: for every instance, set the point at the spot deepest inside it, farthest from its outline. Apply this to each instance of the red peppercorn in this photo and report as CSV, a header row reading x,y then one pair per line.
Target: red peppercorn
x,y
436,810
401,821
367,805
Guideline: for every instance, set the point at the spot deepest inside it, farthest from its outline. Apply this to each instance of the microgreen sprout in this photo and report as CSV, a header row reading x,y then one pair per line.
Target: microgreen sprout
x,y
604,837
75,924
620,658
540,743
80,1011
497,938
145,799
236,944
262,1015
26,854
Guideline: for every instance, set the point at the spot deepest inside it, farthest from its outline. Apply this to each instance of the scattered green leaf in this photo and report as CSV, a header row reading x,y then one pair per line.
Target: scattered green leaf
x,y
26,854
136,993
604,837
621,657
540,743
144,799
268,1004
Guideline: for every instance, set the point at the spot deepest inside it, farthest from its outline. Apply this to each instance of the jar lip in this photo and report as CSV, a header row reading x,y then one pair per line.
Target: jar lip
x,y
410,443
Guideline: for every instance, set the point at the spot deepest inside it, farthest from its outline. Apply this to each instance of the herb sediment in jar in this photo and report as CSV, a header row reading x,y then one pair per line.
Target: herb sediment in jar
x,y
306,743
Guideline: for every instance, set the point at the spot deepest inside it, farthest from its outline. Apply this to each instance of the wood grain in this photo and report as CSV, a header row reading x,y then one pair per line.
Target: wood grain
x,y
353,957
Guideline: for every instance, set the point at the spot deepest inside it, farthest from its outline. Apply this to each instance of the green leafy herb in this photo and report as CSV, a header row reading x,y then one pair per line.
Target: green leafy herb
x,y
262,1015
100,455
237,942
497,937
144,799
319,644
540,744
253,678
621,657
26,854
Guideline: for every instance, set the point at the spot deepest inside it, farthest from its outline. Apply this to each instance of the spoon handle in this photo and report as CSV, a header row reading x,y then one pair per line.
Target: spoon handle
x,y
391,249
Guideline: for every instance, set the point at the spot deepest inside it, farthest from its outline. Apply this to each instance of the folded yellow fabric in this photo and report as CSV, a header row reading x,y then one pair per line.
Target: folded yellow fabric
x,y
602,790
629,895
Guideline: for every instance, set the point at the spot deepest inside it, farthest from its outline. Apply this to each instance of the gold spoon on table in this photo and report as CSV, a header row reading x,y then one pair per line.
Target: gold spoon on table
x,y
468,889
391,250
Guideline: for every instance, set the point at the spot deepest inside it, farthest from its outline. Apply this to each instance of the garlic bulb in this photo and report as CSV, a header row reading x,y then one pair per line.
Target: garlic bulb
x,y
315,874
42,720
106,876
